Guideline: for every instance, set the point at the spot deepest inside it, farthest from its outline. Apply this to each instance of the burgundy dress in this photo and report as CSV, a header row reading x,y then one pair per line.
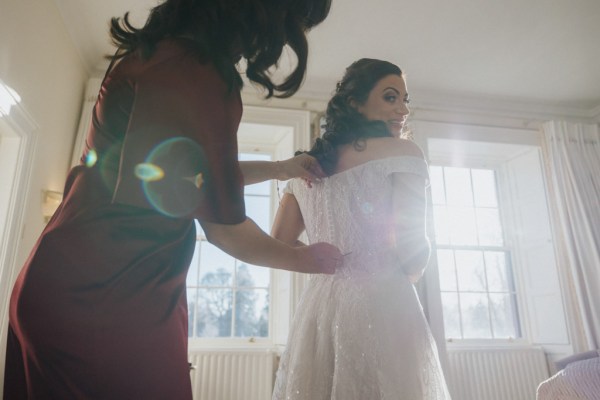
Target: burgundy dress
x,y
99,310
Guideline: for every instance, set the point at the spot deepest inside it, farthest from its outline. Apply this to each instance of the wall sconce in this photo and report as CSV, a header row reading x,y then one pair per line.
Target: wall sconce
x,y
50,202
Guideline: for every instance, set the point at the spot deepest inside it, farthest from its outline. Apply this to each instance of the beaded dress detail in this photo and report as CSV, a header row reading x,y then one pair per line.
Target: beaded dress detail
x,y
359,334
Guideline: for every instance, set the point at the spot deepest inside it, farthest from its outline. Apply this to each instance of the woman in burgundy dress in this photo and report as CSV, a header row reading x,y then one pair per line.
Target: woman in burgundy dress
x,y
99,309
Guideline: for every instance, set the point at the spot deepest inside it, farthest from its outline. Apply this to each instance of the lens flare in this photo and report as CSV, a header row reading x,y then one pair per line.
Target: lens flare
x,y
174,177
148,172
91,158
197,180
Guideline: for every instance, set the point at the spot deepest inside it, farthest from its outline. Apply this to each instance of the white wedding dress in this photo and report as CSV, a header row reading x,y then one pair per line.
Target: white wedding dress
x,y
359,334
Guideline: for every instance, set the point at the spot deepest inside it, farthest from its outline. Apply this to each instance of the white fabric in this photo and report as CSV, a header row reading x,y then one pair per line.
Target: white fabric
x,y
572,159
578,381
359,334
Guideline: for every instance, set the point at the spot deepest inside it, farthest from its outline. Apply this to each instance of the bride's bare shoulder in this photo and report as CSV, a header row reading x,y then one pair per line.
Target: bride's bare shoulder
x,y
392,147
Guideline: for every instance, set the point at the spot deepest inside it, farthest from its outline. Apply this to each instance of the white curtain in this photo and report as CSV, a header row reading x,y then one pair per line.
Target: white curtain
x,y
572,160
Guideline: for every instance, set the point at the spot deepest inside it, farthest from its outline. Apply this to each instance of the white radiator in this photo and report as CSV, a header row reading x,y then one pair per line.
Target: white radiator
x,y
496,374
232,375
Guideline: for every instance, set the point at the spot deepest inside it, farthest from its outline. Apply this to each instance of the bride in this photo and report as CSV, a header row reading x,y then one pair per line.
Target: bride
x,y
360,334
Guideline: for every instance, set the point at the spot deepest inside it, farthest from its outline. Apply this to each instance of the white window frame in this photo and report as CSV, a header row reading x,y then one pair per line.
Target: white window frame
x,y
477,162
285,286
501,136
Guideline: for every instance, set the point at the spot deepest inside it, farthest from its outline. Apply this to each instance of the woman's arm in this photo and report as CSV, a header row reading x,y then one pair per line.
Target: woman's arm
x,y
288,224
301,166
247,242
410,207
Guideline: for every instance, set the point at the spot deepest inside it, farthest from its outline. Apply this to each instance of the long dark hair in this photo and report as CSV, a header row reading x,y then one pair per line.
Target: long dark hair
x,y
343,123
225,30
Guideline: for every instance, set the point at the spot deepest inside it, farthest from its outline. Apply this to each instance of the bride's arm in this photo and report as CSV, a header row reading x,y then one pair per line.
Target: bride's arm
x,y
288,224
410,207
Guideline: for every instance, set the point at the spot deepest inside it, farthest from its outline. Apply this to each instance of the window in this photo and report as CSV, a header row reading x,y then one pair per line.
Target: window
x,y
476,278
233,304
227,297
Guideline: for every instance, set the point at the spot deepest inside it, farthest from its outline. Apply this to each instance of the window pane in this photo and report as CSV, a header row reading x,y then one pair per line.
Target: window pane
x,y
451,315
261,188
463,229
214,313
216,266
249,275
440,220
254,156
252,313
490,230
446,270
258,208
503,312
436,177
497,272
471,273
484,188
475,317
458,186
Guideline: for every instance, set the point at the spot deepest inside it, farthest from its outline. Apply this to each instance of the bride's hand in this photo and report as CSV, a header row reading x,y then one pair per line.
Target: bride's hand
x,y
301,166
318,258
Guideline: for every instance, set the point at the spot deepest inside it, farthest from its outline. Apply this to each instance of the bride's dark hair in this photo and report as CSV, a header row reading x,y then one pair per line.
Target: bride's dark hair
x,y
343,123
225,30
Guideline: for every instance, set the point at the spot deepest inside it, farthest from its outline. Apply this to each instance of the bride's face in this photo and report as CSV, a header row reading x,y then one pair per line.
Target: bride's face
x,y
388,102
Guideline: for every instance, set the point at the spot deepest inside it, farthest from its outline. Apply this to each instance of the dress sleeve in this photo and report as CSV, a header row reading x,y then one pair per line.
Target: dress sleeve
x,y
289,186
179,154
406,164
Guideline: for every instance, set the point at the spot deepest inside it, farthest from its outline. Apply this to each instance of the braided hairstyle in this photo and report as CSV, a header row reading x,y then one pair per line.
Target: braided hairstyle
x,y
226,30
343,123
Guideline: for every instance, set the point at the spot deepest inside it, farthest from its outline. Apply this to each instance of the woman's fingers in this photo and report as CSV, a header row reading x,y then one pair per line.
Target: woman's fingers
x,y
320,258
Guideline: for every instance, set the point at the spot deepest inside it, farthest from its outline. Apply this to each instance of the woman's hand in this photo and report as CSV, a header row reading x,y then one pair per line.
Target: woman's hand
x,y
318,258
301,166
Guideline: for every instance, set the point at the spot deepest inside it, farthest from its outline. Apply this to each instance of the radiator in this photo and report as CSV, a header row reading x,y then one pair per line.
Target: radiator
x,y
496,374
232,375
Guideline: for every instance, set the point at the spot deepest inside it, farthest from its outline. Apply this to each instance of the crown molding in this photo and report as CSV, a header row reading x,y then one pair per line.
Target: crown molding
x,y
442,107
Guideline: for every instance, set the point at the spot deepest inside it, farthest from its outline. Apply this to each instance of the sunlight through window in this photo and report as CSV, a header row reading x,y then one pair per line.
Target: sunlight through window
x,y
477,286
228,298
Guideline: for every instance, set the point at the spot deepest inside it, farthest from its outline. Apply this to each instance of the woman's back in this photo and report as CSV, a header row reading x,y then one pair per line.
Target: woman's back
x,y
353,208
345,325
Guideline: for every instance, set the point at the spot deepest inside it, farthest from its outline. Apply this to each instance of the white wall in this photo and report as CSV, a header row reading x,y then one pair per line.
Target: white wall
x,y
39,61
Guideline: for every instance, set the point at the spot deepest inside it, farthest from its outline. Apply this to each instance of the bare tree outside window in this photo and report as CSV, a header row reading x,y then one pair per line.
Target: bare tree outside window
x,y
226,297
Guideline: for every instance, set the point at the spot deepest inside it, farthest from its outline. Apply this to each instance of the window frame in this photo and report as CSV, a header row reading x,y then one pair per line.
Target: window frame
x,y
471,163
285,286
201,238
429,288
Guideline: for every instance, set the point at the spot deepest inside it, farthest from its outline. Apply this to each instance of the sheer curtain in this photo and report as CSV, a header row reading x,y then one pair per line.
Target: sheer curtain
x,y
572,160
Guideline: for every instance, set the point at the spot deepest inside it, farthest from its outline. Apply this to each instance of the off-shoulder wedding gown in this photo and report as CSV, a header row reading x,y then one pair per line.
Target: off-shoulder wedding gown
x,y
359,334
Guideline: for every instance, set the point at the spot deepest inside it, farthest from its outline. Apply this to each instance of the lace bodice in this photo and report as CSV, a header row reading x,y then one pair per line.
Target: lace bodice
x,y
353,210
